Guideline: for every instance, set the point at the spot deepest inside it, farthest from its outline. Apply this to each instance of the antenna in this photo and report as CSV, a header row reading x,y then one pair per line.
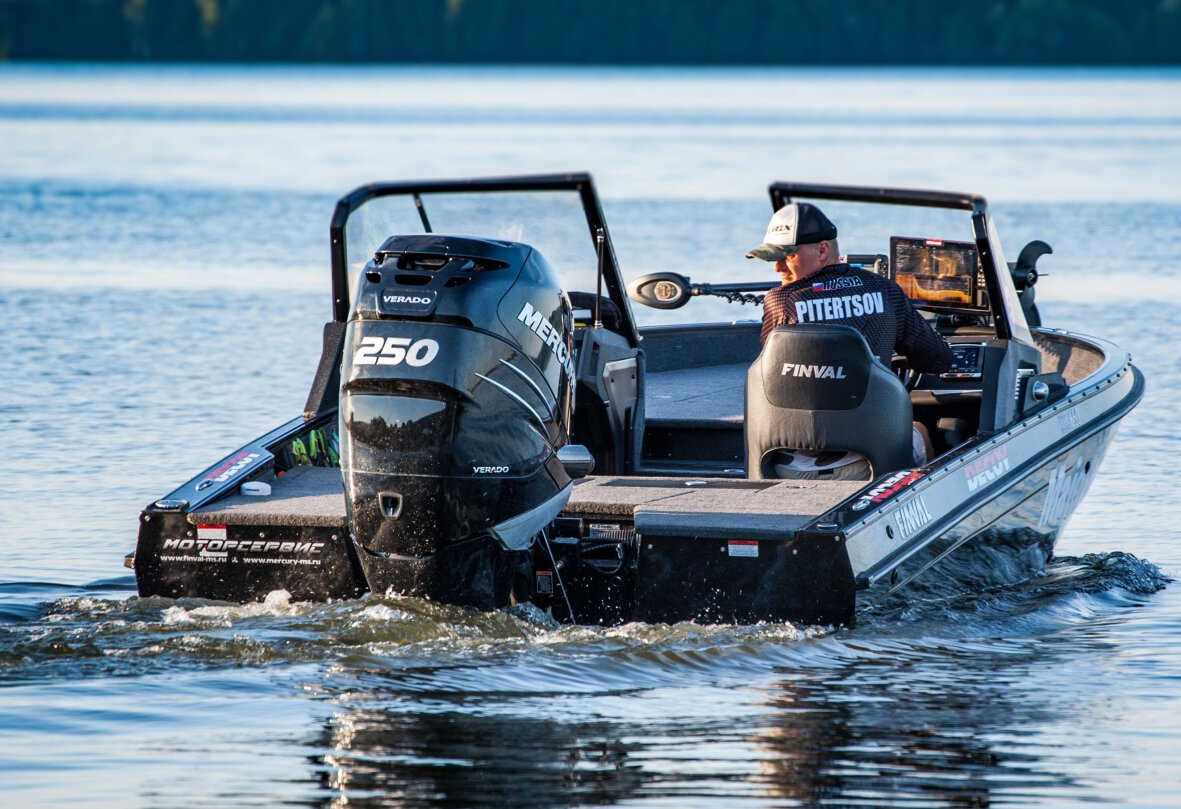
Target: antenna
x,y
600,249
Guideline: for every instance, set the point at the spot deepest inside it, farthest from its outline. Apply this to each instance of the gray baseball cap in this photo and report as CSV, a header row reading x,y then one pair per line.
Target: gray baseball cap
x,y
795,224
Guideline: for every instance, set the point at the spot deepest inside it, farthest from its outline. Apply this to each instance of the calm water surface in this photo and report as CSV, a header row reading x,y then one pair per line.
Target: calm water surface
x,y
163,279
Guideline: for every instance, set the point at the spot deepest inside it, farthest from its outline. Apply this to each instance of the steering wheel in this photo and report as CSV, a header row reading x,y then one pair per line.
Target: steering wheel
x,y
908,376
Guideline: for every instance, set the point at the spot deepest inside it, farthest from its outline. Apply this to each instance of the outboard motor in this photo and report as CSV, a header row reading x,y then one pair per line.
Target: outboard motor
x,y
455,397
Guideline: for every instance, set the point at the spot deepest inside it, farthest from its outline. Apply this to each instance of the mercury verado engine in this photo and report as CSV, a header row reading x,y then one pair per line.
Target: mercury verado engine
x,y
455,396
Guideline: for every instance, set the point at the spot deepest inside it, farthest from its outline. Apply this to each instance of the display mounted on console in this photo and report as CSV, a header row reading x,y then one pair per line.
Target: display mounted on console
x,y
967,361
939,275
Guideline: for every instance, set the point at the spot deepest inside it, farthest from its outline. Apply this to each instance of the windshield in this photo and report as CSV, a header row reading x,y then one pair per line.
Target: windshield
x,y
552,222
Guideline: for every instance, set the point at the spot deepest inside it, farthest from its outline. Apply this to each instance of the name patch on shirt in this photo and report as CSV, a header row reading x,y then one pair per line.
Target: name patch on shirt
x,y
840,307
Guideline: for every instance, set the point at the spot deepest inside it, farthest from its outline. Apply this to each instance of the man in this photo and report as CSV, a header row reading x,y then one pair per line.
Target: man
x,y
817,287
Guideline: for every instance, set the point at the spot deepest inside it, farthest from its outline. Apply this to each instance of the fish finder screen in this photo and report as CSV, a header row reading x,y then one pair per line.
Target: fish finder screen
x,y
938,274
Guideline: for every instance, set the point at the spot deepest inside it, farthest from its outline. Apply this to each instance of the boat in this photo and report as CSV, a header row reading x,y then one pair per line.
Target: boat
x,y
488,425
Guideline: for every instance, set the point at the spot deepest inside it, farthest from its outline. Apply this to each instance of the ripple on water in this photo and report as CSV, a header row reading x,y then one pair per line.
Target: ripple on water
x,y
436,646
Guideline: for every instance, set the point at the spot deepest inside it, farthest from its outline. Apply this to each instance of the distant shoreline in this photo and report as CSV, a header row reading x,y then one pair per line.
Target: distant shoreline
x,y
622,33
597,67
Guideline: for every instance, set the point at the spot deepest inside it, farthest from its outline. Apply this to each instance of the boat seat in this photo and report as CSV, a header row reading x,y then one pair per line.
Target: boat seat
x,y
818,387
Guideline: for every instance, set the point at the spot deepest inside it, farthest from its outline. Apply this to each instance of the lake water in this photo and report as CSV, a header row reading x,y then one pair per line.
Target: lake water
x,y
163,279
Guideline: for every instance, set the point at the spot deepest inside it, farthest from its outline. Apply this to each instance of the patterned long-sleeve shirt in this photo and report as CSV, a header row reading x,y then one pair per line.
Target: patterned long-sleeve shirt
x,y
875,306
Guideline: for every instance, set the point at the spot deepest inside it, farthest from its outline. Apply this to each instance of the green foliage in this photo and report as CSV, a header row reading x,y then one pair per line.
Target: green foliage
x,y
754,32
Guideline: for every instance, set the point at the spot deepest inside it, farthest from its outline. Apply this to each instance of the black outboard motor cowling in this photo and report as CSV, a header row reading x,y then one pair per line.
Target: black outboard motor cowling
x,y
455,396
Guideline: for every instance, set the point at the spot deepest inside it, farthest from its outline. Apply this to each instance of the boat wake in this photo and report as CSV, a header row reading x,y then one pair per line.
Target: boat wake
x,y
96,632
1071,591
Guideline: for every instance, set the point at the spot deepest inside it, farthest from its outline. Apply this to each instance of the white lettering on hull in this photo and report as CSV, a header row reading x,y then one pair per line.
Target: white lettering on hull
x,y
911,517
1064,490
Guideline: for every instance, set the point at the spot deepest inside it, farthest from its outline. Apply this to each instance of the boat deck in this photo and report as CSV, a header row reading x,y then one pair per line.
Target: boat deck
x,y
304,496
693,421
658,506
708,508
694,396
694,485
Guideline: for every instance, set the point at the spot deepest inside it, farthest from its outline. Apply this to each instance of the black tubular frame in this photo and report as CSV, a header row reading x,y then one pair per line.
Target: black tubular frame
x,y
579,182
1009,323
996,271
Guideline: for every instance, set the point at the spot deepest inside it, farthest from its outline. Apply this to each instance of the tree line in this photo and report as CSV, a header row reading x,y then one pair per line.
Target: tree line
x,y
634,32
